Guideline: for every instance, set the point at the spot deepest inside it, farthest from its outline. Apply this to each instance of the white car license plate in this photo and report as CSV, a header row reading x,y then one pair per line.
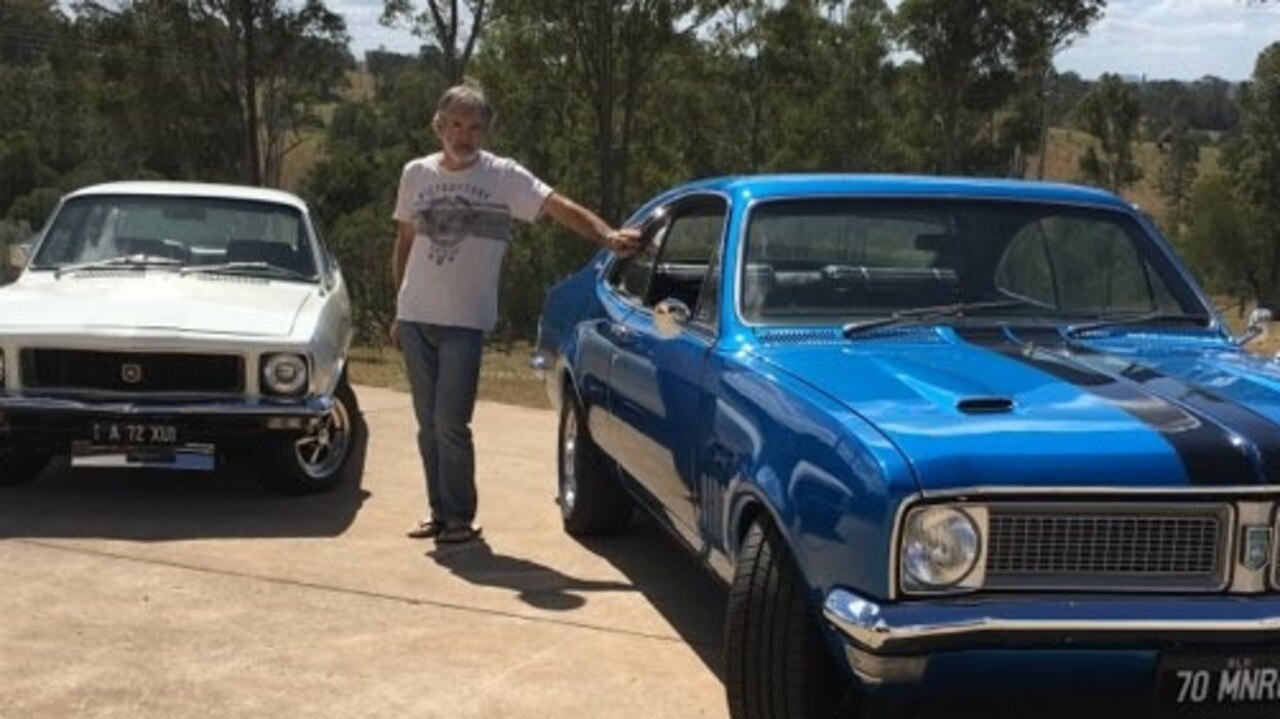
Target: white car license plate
x,y
133,434
1247,684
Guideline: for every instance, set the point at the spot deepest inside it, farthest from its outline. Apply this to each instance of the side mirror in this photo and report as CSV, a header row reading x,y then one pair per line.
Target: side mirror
x,y
19,255
1258,320
669,316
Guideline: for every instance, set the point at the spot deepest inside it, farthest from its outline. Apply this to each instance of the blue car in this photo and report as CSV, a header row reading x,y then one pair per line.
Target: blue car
x,y
947,441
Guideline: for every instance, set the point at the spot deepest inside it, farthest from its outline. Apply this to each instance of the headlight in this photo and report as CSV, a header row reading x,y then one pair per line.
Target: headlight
x,y
284,374
940,547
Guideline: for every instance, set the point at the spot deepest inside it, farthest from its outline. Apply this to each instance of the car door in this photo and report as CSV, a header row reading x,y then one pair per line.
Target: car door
x,y
655,394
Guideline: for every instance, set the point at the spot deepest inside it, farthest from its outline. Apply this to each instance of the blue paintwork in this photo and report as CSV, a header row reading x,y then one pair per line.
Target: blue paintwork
x,y
830,436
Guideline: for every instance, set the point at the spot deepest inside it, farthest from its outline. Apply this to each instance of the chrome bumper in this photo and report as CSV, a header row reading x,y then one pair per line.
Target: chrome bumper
x,y
917,628
311,408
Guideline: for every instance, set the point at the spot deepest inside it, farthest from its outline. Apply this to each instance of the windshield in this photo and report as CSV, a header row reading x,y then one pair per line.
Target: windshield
x,y
826,261
179,232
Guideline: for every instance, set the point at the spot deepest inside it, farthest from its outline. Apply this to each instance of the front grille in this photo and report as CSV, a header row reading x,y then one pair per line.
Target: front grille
x,y
132,372
1122,548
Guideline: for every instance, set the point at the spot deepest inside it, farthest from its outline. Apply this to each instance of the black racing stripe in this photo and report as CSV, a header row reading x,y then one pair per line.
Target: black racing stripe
x,y
1210,454
1261,434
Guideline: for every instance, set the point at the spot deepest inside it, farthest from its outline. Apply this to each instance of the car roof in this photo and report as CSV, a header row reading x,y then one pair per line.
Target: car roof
x,y
763,187
192,189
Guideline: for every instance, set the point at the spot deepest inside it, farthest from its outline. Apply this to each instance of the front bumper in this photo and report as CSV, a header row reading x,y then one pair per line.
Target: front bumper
x,y
895,643
53,422
1125,621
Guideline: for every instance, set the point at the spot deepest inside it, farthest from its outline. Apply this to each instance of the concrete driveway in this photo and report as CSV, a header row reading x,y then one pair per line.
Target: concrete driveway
x,y
151,594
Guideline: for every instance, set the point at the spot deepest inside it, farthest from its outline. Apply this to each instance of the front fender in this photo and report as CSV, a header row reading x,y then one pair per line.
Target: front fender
x,y
829,481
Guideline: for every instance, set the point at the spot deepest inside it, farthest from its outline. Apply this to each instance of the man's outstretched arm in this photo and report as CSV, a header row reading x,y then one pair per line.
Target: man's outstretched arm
x,y
590,226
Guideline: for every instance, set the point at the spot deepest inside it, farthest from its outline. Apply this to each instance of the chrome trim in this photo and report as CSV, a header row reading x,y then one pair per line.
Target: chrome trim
x,y
977,574
311,407
1275,548
905,627
1162,243
1249,514
1226,493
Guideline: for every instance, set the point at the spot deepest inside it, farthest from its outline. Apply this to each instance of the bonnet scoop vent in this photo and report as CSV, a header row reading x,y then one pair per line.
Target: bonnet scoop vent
x,y
985,405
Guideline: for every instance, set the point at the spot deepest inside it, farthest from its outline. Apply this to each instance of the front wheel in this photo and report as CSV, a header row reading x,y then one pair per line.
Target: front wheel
x,y
777,665
18,467
314,462
591,499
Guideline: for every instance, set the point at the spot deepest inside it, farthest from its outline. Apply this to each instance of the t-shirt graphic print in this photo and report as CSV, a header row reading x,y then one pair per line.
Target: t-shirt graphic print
x,y
462,223
448,221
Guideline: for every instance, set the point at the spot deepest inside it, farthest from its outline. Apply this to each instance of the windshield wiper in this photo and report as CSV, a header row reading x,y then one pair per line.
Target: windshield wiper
x,y
1149,318
120,261
959,309
248,268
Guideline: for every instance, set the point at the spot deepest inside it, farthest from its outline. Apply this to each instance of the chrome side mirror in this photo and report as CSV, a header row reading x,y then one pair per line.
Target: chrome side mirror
x,y
669,316
19,255
1258,320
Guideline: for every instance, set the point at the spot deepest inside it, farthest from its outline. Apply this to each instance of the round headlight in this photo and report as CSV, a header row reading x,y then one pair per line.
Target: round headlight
x,y
939,547
284,374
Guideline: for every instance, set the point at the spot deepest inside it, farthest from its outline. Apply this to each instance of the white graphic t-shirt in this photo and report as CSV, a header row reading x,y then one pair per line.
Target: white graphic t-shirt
x,y
462,221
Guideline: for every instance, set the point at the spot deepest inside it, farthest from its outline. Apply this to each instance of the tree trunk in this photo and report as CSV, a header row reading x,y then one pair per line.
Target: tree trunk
x,y
254,155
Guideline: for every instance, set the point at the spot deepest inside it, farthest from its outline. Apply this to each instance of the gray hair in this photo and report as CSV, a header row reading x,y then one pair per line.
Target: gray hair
x,y
467,96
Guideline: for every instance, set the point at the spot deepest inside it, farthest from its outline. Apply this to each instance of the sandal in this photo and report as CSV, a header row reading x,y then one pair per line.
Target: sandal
x,y
426,529
457,534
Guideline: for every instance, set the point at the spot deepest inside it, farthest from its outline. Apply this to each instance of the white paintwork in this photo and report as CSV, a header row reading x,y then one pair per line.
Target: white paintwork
x,y
159,309
153,299
192,189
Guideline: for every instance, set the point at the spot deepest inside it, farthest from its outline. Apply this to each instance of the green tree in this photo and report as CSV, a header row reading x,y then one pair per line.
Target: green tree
x,y
452,27
1110,113
1255,169
1179,169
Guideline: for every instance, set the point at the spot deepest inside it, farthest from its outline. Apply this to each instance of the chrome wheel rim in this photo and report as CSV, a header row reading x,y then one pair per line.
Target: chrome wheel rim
x,y
323,450
568,456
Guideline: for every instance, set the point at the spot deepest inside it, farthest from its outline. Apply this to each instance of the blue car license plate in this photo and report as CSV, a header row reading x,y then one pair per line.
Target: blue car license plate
x,y
1243,684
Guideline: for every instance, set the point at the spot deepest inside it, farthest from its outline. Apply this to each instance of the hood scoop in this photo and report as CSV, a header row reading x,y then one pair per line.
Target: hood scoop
x,y
985,405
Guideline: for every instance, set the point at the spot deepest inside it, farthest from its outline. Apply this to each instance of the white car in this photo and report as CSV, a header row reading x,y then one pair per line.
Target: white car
x,y
166,324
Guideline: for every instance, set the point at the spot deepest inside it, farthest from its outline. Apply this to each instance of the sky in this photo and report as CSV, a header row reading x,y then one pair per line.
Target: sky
x,y
1159,39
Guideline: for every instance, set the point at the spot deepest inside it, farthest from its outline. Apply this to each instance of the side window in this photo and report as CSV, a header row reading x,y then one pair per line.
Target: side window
x,y
686,257
631,277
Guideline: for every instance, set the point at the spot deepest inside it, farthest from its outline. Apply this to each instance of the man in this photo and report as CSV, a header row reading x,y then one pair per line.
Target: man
x,y
453,214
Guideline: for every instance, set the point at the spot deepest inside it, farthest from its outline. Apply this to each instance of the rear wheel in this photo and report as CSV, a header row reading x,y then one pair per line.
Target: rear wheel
x,y
590,497
314,462
18,467
777,665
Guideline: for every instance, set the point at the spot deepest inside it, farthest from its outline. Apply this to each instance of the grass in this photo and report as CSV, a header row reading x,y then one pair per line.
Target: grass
x,y
505,375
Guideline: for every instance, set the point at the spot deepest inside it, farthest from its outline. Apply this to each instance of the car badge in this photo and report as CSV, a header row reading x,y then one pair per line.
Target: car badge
x,y
131,373
1257,548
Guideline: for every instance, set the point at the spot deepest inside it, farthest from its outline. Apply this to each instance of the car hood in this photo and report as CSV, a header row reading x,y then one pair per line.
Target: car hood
x,y
209,304
995,407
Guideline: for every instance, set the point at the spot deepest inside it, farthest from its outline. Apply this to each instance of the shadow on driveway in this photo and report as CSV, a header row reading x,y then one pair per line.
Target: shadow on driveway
x,y
159,505
686,595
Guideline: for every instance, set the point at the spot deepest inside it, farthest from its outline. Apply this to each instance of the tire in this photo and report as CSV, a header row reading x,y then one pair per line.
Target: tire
x,y
20,467
592,500
776,662
315,462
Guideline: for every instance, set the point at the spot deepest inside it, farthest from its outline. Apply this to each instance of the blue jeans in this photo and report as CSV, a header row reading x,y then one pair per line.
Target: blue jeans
x,y
443,364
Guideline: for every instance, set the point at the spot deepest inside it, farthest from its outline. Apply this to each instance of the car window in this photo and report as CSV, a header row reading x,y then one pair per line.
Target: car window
x,y
836,260
630,276
685,257
1081,265
188,230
